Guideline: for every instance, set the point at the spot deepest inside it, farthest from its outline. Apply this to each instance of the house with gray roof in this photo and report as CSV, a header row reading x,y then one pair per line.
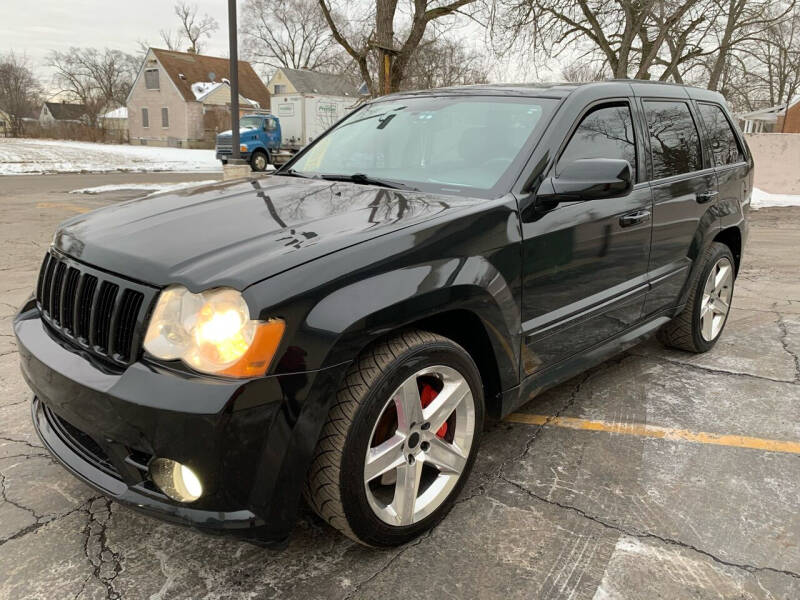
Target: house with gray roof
x,y
61,112
302,81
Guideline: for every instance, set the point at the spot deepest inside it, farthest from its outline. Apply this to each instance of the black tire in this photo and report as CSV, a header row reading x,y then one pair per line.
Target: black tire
x,y
335,486
684,331
259,160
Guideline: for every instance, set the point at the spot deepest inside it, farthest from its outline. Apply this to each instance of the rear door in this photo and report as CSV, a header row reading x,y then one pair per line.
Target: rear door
x,y
727,152
585,263
684,190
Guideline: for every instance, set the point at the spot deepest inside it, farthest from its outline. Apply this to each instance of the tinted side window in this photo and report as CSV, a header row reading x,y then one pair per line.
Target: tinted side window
x,y
606,132
724,144
674,141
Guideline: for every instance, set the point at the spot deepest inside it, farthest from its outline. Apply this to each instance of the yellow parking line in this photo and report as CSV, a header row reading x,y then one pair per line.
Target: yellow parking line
x,y
654,431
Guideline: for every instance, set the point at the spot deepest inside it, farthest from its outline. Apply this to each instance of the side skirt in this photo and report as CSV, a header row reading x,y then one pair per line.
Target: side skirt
x,y
560,372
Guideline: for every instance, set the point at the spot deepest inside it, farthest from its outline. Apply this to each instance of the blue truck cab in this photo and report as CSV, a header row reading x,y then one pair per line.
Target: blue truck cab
x,y
259,140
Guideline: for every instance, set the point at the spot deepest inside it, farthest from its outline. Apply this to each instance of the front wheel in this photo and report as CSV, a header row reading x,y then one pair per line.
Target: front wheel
x,y
259,161
700,324
400,439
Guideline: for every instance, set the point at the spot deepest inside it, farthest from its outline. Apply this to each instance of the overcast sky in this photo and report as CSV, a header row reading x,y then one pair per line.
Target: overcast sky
x,y
36,27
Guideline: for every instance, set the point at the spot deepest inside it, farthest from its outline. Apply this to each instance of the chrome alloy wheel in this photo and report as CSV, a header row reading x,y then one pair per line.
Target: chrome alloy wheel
x,y
716,299
419,445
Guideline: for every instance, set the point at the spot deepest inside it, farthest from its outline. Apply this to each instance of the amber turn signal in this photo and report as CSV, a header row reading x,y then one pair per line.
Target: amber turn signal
x,y
262,350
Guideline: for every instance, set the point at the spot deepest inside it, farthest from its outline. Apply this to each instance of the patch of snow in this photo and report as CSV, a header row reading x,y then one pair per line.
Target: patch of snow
x,y
762,199
253,103
21,156
117,113
201,89
153,188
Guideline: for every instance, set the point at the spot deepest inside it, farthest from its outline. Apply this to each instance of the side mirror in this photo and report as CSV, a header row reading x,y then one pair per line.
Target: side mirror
x,y
588,179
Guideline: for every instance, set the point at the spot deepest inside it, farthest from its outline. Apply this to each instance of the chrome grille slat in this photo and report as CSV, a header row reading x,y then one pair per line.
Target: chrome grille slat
x,y
97,312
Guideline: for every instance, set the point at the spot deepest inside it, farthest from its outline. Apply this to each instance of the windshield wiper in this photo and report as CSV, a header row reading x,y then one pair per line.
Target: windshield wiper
x,y
367,180
293,173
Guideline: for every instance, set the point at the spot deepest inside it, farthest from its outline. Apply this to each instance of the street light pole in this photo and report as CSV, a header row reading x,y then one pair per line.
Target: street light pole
x,y
236,156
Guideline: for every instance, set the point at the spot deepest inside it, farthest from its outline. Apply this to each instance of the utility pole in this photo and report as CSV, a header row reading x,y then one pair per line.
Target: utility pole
x,y
236,155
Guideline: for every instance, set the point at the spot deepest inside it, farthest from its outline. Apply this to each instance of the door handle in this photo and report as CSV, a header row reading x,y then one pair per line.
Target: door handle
x,y
706,196
634,218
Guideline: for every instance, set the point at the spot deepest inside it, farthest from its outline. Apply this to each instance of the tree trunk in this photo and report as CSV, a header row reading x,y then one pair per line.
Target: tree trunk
x,y
384,38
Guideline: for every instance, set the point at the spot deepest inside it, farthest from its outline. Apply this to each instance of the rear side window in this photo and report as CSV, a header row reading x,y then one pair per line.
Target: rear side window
x,y
674,141
724,144
606,132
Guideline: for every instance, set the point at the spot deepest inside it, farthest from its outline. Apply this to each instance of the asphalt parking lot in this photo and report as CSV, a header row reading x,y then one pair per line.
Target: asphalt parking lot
x,y
655,475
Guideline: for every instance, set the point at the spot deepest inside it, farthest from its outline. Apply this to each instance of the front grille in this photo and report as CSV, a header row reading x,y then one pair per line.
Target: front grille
x,y
97,312
224,148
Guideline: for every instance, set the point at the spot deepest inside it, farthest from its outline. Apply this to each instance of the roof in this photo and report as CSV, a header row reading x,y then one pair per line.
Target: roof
x,y
560,90
62,111
313,82
196,68
203,90
769,114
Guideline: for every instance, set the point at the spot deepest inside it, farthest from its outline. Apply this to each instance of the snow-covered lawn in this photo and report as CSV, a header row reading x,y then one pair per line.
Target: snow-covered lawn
x,y
19,156
762,199
153,188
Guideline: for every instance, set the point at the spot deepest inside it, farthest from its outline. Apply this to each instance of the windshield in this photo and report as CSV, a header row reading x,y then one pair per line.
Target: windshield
x,y
250,122
445,143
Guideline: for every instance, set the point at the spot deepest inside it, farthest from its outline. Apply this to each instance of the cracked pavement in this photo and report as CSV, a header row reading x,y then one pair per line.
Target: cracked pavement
x,y
549,512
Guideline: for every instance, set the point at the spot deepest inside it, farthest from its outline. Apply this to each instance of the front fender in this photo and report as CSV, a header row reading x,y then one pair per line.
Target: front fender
x,y
357,314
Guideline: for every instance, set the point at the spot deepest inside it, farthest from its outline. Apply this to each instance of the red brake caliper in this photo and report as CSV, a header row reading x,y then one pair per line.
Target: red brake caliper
x,y
426,397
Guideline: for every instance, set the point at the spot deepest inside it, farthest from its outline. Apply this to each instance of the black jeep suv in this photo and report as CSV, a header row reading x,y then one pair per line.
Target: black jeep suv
x,y
341,329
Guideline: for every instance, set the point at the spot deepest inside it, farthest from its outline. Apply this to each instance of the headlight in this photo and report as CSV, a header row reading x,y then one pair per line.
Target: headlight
x,y
212,332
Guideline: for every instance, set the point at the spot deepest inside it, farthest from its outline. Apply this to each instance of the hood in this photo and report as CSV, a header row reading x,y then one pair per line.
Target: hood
x,y
227,133
236,234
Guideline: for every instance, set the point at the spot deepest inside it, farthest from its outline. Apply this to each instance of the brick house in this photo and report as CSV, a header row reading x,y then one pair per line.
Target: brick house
x,y
789,121
181,99
774,119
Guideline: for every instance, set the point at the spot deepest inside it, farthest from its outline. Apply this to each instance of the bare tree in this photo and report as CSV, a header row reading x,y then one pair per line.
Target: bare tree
x,y
629,35
19,90
170,39
379,41
443,62
97,79
193,26
741,22
294,34
584,71
765,71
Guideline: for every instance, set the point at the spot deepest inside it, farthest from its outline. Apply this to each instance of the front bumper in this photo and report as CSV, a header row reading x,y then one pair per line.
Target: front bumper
x,y
225,155
246,440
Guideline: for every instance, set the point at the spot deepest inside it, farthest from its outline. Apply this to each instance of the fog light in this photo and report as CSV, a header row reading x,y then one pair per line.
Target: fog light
x,y
177,481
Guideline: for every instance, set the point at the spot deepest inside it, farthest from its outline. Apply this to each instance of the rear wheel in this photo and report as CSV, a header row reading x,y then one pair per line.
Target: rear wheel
x,y
400,439
700,324
259,161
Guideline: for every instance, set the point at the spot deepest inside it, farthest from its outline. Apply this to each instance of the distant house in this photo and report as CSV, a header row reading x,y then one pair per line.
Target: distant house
x,y
774,119
61,112
329,97
303,81
181,99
